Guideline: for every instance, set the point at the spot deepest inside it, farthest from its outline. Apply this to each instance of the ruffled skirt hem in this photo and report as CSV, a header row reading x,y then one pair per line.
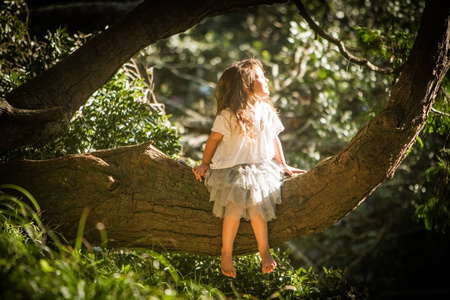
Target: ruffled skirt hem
x,y
246,191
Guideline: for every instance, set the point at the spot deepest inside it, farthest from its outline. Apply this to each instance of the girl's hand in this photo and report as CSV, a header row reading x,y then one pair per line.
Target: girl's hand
x,y
291,170
200,171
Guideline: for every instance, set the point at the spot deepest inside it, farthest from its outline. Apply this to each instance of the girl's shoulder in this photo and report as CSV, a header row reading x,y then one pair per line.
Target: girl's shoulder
x,y
226,113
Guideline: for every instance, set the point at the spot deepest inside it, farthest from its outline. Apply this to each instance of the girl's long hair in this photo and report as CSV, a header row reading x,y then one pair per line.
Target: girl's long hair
x,y
235,91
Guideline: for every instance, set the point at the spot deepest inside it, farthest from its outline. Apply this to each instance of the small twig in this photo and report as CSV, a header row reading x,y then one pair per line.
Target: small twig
x,y
440,112
190,77
357,60
446,95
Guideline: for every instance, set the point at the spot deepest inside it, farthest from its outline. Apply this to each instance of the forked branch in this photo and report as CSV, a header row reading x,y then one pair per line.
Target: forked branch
x,y
357,60
20,115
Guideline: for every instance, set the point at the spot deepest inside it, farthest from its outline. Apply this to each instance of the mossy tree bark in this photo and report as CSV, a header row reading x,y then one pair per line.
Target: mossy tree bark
x,y
148,200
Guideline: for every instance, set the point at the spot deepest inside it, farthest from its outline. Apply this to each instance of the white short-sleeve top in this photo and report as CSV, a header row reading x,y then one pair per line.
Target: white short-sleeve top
x,y
236,148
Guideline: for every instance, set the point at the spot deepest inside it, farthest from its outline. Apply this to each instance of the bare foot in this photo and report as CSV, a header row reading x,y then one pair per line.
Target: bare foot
x,y
227,265
268,264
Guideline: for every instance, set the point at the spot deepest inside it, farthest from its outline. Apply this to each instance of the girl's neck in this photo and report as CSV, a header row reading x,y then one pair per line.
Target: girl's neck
x,y
254,100
251,105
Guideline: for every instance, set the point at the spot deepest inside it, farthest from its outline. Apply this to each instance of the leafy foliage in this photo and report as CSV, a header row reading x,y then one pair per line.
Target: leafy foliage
x,y
395,45
22,57
113,117
435,212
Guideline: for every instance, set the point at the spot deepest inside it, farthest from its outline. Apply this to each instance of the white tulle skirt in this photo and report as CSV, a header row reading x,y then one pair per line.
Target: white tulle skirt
x,y
245,191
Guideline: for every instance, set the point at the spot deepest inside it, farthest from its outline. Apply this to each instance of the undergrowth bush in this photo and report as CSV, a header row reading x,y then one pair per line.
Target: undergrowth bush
x,y
35,263
284,282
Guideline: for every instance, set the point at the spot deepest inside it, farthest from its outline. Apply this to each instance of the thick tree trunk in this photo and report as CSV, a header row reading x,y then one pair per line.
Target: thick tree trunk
x,y
145,199
67,85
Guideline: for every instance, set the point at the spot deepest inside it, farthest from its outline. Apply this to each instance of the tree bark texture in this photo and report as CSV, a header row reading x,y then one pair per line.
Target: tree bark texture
x,y
148,200
69,83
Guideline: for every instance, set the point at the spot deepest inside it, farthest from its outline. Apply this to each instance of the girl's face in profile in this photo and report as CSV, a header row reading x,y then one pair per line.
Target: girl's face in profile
x,y
260,86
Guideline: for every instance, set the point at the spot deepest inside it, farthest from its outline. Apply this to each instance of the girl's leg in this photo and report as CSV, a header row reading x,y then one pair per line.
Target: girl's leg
x,y
229,229
259,226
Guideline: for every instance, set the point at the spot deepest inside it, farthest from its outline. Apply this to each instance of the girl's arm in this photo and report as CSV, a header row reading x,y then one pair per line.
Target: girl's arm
x,y
210,149
279,157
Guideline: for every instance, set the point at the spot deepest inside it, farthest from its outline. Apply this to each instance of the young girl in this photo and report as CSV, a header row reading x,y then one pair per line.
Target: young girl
x,y
243,161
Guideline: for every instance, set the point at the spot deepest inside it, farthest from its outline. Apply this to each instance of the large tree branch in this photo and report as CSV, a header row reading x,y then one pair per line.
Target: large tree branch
x,y
69,83
146,199
340,44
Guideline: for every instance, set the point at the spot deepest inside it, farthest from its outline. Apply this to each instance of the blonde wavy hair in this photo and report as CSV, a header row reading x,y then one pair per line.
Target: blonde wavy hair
x,y
235,91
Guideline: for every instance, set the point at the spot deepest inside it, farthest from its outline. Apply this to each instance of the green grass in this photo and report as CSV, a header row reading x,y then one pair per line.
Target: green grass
x,y
36,263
